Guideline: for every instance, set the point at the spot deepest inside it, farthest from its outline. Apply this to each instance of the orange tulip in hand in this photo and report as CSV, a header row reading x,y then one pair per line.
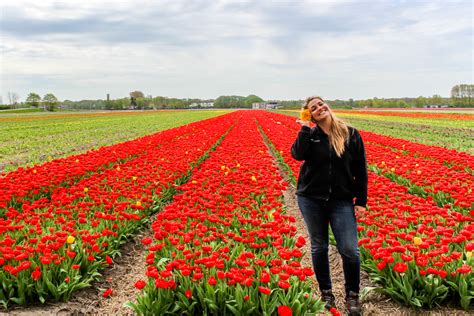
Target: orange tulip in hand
x,y
305,115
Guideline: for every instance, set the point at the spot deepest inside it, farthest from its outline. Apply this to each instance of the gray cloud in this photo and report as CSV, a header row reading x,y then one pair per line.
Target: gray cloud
x,y
252,46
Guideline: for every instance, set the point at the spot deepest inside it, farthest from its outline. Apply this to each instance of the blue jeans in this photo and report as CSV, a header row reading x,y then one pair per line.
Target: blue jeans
x,y
318,214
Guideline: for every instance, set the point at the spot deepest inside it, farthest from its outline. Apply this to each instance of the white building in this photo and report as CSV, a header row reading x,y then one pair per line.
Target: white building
x,y
265,105
202,105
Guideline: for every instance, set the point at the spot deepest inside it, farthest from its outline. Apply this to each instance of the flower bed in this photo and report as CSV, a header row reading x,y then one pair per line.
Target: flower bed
x,y
32,183
52,247
420,253
225,245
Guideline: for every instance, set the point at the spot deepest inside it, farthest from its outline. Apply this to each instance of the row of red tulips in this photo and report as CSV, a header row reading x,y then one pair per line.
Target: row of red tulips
x,y
52,247
456,160
425,174
445,184
420,253
225,245
32,183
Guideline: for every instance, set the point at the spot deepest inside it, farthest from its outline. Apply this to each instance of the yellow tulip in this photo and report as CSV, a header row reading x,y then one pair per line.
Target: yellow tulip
x,y
70,239
417,241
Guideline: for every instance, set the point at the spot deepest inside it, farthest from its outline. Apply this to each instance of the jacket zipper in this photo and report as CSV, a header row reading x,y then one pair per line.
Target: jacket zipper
x,y
329,180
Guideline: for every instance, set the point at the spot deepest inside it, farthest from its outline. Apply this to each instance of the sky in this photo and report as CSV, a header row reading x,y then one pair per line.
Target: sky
x,y
279,50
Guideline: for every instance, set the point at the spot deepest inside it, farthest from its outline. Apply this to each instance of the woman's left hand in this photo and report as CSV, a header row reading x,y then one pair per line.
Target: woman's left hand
x,y
303,123
359,208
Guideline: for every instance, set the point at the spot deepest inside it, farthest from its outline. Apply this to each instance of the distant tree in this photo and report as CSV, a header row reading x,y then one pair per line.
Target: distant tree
x,y
50,102
109,104
137,94
420,102
120,104
229,101
463,95
13,98
436,99
295,104
402,104
134,99
250,99
33,99
140,103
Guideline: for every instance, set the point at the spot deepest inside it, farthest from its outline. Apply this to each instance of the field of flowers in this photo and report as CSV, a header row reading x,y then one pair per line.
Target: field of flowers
x,y
443,129
222,242
35,138
59,228
417,235
225,245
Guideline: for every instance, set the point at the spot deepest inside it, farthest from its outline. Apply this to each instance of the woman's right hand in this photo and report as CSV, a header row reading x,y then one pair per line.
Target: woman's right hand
x,y
303,123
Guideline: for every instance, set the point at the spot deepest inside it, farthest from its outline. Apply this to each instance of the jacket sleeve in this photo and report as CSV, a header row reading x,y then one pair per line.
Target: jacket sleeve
x,y
360,171
300,149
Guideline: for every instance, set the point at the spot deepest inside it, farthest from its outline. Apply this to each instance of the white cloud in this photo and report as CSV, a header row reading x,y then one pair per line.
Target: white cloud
x,y
342,49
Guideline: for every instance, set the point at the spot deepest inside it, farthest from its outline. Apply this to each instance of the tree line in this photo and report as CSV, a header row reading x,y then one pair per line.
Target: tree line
x,y
137,100
49,102
461,96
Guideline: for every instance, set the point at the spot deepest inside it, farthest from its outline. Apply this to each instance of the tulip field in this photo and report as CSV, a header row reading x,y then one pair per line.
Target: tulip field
x,y
41,137
221,241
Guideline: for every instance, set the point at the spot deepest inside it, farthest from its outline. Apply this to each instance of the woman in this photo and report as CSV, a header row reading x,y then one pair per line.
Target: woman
x,y
332,186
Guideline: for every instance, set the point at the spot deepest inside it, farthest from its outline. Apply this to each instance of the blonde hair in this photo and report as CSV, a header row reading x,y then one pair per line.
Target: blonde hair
x,y
338,131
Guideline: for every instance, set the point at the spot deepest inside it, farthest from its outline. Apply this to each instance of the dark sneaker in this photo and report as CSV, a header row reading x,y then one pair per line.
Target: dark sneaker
x,y
328,298
353,304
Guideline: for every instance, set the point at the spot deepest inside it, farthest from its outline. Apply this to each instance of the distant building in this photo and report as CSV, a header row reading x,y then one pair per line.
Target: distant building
x,y
436,106
266,105
202,105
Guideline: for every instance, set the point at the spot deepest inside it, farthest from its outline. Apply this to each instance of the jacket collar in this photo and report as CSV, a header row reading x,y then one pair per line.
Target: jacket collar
x,y
319,131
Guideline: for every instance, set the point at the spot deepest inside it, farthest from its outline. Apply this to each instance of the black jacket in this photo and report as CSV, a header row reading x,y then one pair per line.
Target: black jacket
x,y
323,175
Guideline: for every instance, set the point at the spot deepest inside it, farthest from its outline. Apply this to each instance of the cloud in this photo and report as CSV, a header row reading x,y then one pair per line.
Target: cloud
x,y
280,49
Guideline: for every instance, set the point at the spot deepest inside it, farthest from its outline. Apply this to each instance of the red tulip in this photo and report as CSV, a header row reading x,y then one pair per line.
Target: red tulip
x,y
36,274
140,284
284,311
108,292
264,290
188,294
